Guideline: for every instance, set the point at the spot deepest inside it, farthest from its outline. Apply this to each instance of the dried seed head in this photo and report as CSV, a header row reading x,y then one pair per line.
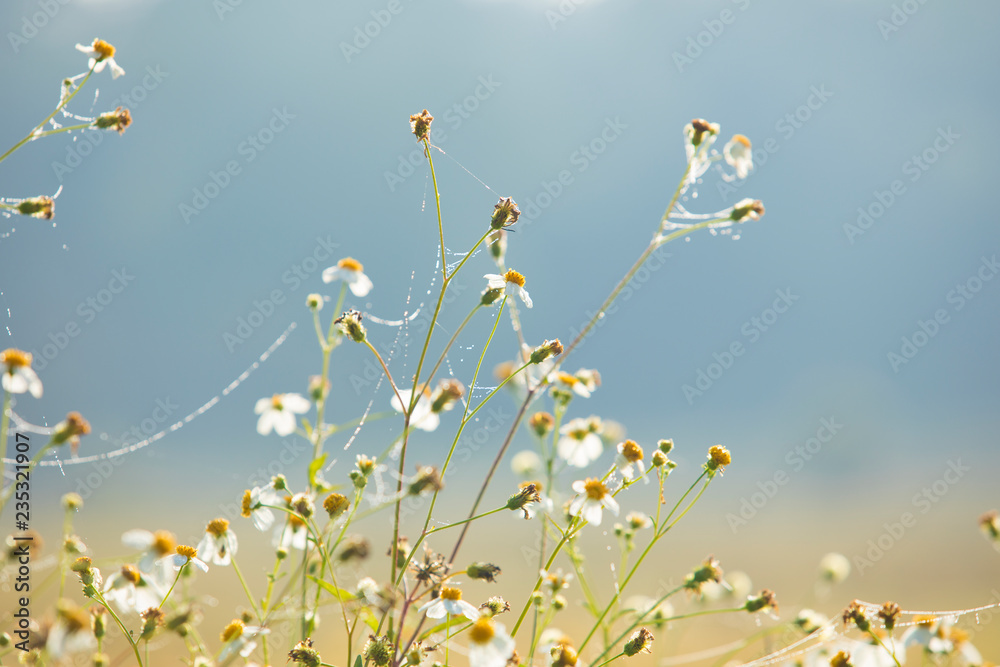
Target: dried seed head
x,y
420,125
640,642
117,120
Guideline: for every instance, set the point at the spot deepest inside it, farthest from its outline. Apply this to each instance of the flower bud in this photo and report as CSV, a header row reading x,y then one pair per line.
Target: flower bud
x,y
550,348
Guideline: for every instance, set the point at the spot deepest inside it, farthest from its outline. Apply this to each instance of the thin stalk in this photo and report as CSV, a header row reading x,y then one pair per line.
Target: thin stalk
x,y
31,134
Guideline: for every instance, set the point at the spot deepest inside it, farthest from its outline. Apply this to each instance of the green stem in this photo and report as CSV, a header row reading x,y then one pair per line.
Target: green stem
x,y
32,135
610,660
437,200
386,370
649,547
246,589
4,425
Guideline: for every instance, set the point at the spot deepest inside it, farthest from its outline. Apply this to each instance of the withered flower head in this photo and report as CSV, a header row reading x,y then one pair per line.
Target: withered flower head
x,y
420,125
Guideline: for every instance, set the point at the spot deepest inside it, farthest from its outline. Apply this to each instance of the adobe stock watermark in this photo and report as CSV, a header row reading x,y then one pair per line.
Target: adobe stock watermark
x,y
455,115
31,24
292,449
87,311
471,441
370,30
223,7
923,501
704,39
653,264
88,140
958,297
372,371
101,471
751,332
580,159
248,150
898,17
786,126
294,277
796,459
914,168
562,12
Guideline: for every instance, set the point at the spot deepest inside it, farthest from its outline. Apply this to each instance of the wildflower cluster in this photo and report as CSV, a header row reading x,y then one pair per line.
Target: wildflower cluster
x,y
100,55
578,472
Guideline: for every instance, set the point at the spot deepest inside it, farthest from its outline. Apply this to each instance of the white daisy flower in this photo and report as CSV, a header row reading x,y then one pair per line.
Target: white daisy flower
x,y
18,376
351,272
130,591
938,637
154,547
423,415
526,463
185,555
292,534
738,155
70,633
593,498
629,460
278,413
101,53
450,602
698,132
489,644
556,580
219,543
253,499
512,283
239,638
580,444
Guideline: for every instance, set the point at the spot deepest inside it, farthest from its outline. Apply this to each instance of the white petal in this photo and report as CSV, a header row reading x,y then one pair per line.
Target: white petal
x,y
592,512
261,405
524,297
610,503
284,423
262,518
295,403
579,486
405,394
137,538
577,505
331,274
266,422
360,284
116,71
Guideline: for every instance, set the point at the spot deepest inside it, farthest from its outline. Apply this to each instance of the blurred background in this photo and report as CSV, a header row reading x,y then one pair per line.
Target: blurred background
x,y
270,140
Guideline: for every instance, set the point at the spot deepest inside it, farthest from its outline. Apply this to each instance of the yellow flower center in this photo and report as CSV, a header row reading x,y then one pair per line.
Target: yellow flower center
x,y
233,631
186,551
482,631
449,593
579,433
217,527
245,505
720,455
350,264
513,276
631,451
595,489
295,522
103,49
14,358
164,542
131,574
740,139
276,401
566,378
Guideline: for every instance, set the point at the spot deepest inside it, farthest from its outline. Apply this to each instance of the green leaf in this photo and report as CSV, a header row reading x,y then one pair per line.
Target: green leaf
x,y
314,467
338,593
